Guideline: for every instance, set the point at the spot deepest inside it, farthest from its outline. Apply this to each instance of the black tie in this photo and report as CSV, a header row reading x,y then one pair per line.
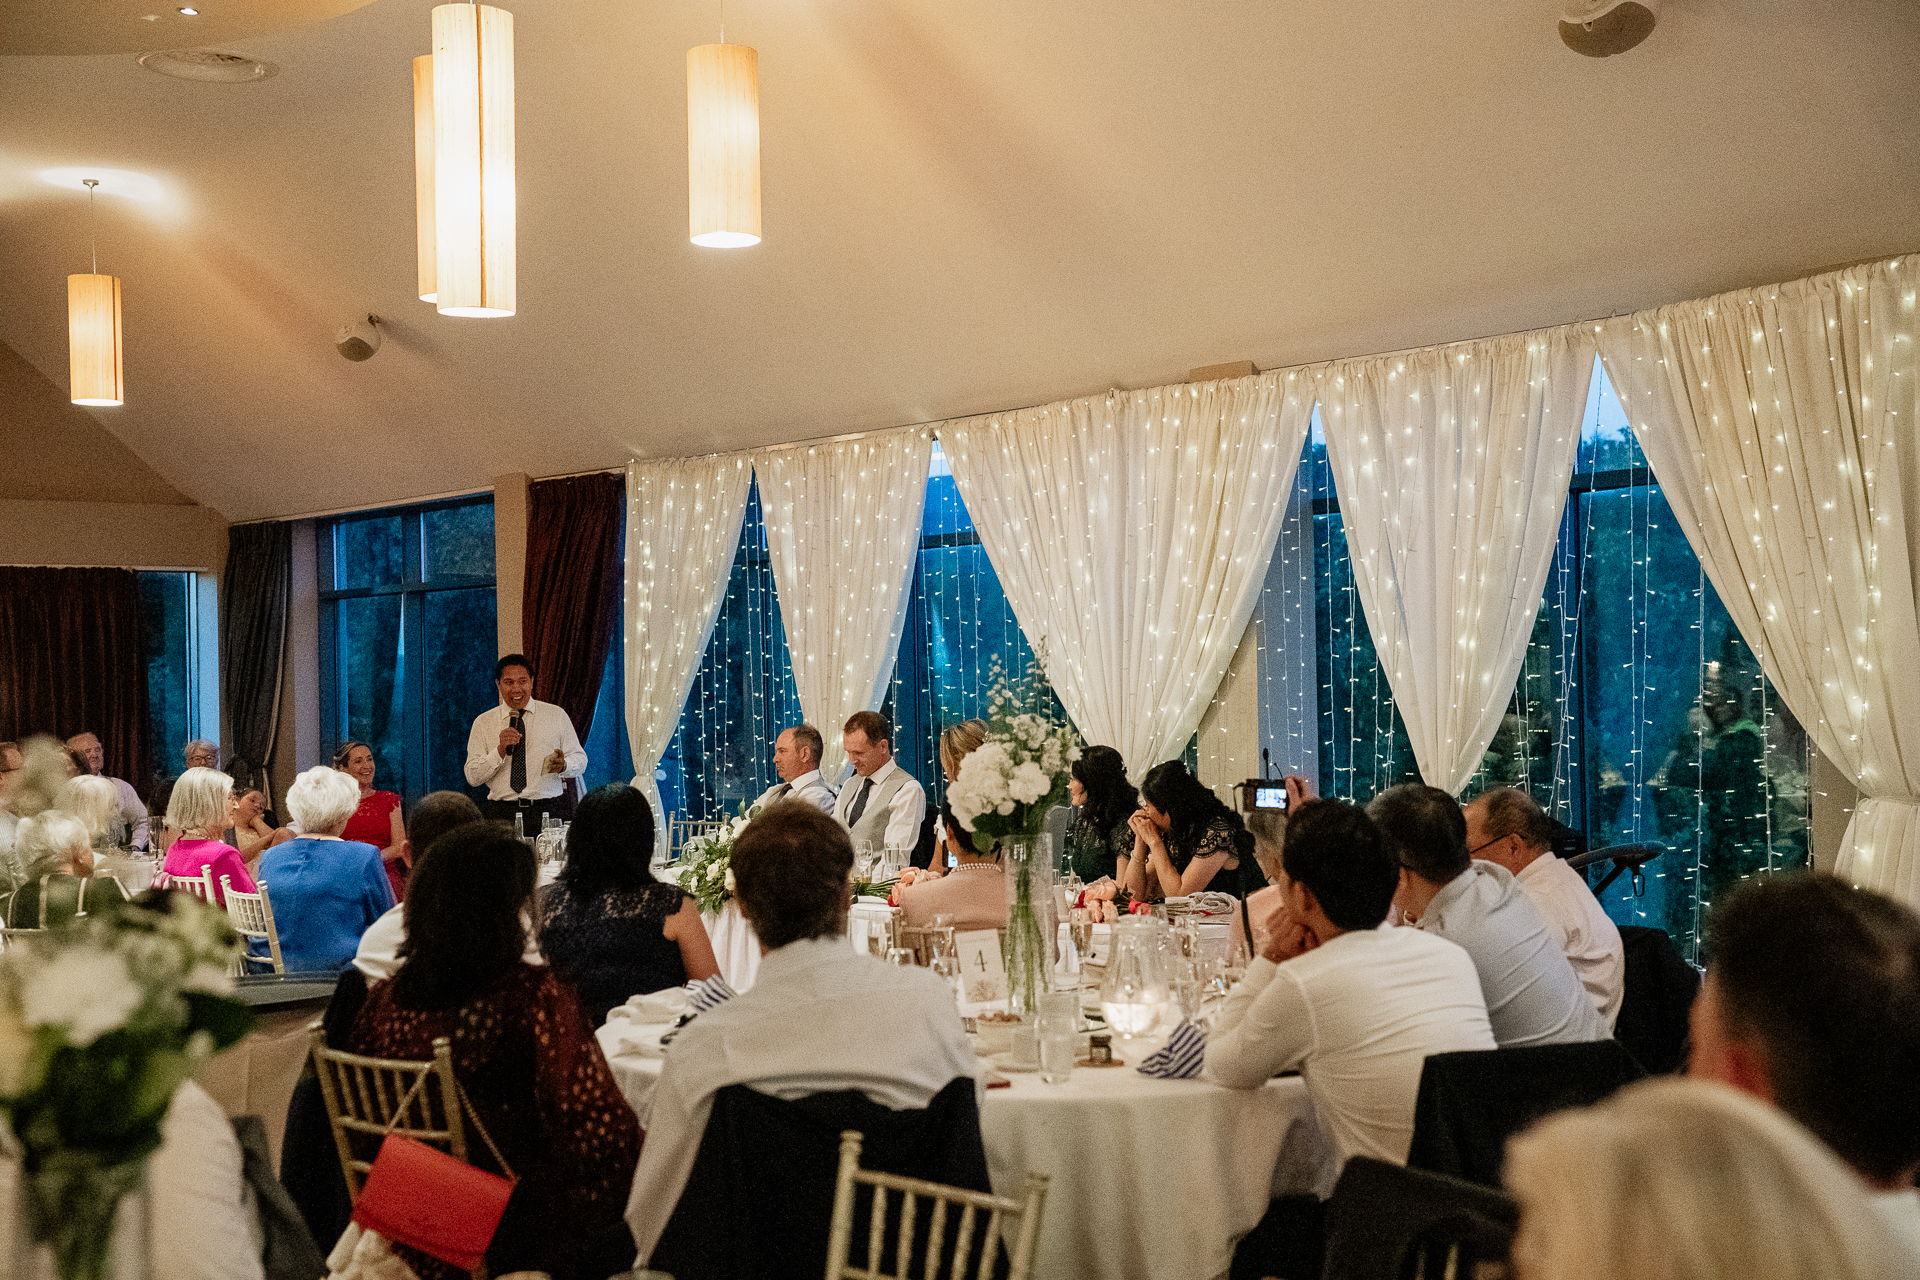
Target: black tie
x,y
780,792
859,804
518,778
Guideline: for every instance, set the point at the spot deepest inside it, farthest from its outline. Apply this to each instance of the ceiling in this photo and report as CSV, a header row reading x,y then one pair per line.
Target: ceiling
x,y
968,207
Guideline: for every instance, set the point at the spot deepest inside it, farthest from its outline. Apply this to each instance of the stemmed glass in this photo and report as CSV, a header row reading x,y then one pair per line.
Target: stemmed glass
x,y
1080,929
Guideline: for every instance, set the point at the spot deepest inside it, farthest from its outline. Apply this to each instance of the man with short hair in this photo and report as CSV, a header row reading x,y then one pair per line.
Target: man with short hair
x,y
819,1017
1532,994
1812,1003
1505,826
882,804
201,754
796,758
522,751
133,810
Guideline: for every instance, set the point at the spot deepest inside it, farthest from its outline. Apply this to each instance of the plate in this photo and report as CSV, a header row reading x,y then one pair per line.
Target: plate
x,y
1005,1062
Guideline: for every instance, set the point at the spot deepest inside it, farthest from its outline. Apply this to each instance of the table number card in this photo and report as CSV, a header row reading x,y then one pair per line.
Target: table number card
x,y
983,975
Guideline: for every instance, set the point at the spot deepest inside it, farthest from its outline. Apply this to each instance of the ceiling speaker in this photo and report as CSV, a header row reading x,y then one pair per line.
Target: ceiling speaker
x,y
1602,28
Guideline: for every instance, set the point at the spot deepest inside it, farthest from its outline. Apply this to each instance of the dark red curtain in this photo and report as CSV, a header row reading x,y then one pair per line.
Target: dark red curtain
x,y
576,534
72,661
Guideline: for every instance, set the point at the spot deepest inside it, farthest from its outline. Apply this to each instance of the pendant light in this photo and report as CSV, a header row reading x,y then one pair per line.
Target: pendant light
x,y
723,144
473,188
423,212
93,329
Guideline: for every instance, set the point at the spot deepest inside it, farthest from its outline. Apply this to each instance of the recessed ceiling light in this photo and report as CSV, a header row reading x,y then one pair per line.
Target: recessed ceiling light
x,y
191,13
113,182
207,65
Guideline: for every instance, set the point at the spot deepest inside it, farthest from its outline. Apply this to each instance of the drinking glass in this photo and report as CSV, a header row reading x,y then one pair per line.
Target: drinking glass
x,y
900,956
1189,987
863,860
1058,1030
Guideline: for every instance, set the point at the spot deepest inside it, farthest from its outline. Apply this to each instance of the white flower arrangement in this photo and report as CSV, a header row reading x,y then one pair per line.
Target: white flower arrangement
x,y
1007,784
707,862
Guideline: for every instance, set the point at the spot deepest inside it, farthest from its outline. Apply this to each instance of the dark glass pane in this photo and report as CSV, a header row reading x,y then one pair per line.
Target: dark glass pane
x,y
367,552
609,752
458,542
1606,441
461,635
946,513
371,685
166,602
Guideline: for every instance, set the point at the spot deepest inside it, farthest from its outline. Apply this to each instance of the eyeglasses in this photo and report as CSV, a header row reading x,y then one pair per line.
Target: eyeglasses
x,y
1488,845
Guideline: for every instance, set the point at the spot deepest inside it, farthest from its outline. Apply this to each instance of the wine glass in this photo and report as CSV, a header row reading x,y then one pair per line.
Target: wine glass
x,y
1189,987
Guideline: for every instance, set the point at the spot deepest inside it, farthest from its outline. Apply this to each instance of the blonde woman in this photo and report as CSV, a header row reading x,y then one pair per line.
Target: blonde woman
x,y
199,809
96,802
1678,1179
957,742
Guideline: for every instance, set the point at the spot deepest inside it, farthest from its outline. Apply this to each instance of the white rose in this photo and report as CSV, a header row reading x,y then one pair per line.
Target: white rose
x,y
1028,783
88,992
730,888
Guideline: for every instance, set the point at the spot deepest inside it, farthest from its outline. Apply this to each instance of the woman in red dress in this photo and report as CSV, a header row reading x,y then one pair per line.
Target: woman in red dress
x,y
377,820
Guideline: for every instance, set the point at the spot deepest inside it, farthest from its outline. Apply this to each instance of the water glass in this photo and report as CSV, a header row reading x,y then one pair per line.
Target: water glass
x,y
1189,988
900,956
1059,1025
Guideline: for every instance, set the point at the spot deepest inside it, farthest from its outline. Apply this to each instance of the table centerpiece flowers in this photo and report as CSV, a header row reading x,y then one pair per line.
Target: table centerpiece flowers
x,y
707,863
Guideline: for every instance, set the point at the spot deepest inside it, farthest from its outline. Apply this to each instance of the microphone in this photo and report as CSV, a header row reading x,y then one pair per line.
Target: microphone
x,y
1266,763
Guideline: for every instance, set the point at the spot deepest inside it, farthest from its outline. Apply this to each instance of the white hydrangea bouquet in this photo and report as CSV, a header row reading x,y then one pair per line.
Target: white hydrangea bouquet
x,y
101,1019
707,862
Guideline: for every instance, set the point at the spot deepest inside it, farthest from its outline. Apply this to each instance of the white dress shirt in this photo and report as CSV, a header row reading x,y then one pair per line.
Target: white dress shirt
x,y
133,812
808,786
819,1017
907,811
378,955
1357,1016
545,727
204,1224
1575,920
1900,1210
1532,994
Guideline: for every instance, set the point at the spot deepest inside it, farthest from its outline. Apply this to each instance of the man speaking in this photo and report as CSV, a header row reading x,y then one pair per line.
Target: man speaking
x,y
522,750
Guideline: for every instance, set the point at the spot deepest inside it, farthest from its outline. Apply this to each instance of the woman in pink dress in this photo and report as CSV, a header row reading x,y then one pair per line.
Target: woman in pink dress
x,y
377,821
200,809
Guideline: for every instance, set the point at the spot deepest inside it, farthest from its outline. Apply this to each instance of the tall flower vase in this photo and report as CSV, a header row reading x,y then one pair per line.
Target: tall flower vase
x,y
87,1223
1028,944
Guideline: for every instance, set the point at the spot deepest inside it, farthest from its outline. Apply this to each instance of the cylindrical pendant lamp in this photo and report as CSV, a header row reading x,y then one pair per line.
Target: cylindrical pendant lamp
x,y
94,339
473,191
423,210
723,145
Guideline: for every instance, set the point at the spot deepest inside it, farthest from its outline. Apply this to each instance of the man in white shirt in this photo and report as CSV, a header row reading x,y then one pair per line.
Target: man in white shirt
x,y
1355,1007
1812,1003
522,751
1532,994
796,758
133,810
819,1017
882,804
1505,826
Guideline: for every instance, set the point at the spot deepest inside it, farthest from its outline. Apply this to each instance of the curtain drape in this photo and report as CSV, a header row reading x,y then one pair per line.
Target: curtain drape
x,y
843,530
1452,465
683,527
1131,532
253,637
575,528
1780,423
73,660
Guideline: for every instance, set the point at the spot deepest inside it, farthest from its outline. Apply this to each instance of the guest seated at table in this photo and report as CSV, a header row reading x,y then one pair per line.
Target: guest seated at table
x,y
1689,1180
974,893
377,820
522,1050
606,924
438,812
1185,840
819,1017
252,833
1533,996
326,891
1102,832
200,808
55,856
796,758
96,802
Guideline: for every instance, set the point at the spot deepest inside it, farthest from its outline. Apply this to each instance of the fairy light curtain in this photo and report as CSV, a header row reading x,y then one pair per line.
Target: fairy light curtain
x,y
1452,466
1132,532
843,527
683,525
1781,422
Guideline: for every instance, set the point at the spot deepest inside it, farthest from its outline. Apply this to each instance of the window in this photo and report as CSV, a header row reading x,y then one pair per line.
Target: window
x,y
170,629
407,638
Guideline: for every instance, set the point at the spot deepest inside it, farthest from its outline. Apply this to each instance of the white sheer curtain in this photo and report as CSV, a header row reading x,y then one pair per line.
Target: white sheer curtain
x,y
1131,533
1451,465
1780,422
843,530
683,527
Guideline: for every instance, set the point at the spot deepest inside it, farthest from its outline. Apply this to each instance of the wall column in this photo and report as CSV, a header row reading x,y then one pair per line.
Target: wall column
x,y
510,555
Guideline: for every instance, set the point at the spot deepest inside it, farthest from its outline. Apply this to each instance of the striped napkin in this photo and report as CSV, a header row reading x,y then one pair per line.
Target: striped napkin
x,y
702,996
1181,1056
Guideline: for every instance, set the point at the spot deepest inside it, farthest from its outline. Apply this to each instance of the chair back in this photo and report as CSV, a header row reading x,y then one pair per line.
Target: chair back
x,y
1654,1010
1389,1223
680,830
1470,1103
939,1245
252,917
364,1095
200,886
1053,830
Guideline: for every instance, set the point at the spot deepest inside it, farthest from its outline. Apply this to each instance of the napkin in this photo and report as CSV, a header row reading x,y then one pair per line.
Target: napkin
x,y
1180,1057
655,1006
702,996
1211,902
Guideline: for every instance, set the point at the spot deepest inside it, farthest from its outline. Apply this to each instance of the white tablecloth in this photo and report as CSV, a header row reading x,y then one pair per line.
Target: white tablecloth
x,y
1150,1179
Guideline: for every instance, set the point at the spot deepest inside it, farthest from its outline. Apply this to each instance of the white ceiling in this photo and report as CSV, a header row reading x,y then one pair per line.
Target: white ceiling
x,y
968,207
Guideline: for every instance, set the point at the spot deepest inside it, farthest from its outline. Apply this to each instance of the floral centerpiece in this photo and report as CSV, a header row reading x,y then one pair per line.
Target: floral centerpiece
x,y
707,862
1002,795
101,1019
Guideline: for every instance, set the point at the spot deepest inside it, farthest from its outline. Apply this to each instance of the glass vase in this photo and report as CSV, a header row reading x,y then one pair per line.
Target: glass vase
x,y
1027,944
74,1212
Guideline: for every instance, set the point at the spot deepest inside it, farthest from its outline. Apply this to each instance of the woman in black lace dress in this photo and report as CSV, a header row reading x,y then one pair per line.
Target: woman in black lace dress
x,y
1100,836
607,924
1185,840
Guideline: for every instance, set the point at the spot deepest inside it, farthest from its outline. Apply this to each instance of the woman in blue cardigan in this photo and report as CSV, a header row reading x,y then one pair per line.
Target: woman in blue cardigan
x,y
325,891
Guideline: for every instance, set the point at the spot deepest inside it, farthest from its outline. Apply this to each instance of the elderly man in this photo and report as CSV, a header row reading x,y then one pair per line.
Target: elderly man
x,y
1532,994
522,750
133,810
882,805
796,758
1506,827
201,754
820,1017
1812,1003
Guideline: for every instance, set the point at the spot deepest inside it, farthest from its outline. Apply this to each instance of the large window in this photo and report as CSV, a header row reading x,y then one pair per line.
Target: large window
x,y
170,635
407,638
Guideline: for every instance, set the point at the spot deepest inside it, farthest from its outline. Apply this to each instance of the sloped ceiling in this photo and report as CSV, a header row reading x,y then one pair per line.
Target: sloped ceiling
x,y
968,207
57,452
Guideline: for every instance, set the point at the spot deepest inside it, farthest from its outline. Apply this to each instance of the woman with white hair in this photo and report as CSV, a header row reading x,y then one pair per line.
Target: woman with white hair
x,y
96,802
325,890
200,808
55,854
1677,1179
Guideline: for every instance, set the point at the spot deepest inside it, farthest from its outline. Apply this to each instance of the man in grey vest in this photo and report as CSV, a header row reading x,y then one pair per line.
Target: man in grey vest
x,y
881,804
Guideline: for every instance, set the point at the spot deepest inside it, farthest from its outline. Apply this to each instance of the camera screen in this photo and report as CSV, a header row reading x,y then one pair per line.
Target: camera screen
x,y
1270,798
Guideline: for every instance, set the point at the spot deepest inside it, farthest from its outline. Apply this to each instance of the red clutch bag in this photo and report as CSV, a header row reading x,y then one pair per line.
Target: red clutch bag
x,y
422,1197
